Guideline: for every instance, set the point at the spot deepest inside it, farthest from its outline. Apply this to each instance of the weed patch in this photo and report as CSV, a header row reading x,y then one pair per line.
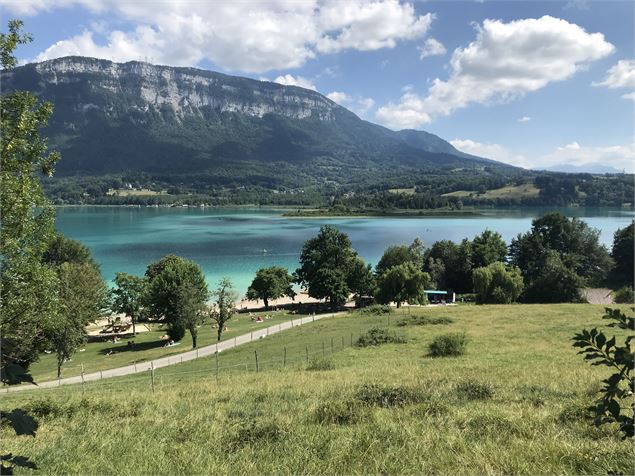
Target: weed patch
x,y
320,364
255,431
388,396
475,390
378,336
424,321
375,310
338,412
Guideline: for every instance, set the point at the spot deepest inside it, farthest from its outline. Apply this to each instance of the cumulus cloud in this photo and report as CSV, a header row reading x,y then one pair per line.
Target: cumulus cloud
x,y
620,75
241,36
431,47
505,61
358,104
617,156
290,80
523,119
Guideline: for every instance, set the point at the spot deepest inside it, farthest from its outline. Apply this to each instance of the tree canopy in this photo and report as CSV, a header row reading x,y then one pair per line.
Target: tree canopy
x,y
622,254
497,284
271,283
403,283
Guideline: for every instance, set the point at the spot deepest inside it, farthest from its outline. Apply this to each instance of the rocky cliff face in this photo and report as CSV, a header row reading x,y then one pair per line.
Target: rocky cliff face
x,y
184,90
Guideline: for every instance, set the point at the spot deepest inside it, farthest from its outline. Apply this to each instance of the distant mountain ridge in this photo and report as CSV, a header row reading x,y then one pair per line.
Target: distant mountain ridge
x,y
593,168
118,117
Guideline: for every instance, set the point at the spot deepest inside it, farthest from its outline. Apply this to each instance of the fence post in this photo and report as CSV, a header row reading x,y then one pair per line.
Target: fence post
x,y
197,352
101,375
83,379
234,341
332,348
256,355
251,336
135,367
351,339
152,375
216,354
291,322
307,354
342,342
267,331
284,360
323,349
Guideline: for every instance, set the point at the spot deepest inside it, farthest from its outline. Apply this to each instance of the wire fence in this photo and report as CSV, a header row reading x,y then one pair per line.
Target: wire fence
x,y
286,356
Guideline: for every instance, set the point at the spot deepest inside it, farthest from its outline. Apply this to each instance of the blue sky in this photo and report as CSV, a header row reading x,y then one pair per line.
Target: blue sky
x,y
530,83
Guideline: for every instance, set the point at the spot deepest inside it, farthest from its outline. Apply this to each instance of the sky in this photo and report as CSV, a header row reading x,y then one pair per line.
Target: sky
x,y
533,84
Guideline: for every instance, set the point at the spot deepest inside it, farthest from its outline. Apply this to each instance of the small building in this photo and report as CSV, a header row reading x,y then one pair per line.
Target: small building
x,y
439,297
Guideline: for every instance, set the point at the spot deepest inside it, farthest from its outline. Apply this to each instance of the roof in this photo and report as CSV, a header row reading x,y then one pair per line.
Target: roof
x,y
432,291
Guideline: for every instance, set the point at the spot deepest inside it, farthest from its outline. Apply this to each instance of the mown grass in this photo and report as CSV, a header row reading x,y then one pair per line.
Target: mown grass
x,y
148,346
514,404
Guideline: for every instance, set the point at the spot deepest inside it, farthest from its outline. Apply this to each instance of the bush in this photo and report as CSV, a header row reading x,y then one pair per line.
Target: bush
x,y
321,364
377,395
255,431
375,310
424,321
448,345
475,390
624,295
378,336
339,412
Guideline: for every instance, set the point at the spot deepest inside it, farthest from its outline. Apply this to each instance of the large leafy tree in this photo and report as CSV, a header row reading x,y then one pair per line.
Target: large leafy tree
x,y
325,265
555,282
401,254
450,265
361,280
271,283
576,245
177,293
128,296
487,248
28,287
224,305
403,283
622,254
497,284
64,250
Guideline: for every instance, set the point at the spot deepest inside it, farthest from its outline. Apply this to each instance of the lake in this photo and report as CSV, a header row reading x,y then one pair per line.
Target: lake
x,y
237,242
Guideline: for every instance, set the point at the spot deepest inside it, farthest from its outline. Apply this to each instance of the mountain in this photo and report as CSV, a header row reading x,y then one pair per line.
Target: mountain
x,y
592,168
112,118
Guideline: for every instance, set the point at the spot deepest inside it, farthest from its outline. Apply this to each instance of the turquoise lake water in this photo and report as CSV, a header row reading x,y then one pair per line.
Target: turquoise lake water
x,y
231,242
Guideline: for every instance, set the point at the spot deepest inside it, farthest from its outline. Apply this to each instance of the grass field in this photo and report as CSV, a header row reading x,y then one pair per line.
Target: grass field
x,y
148,346
142,192
514,404
527,190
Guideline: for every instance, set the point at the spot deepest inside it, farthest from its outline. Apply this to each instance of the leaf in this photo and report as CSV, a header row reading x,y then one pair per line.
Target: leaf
x,y
22,422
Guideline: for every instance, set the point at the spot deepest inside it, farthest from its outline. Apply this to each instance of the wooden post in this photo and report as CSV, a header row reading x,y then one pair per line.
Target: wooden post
x,y
342,342
291,322
323,349
332,348
216,354
152,375
197,352
284,360
307,354
256,355
83,379
267,331
135,367
251,336
351,339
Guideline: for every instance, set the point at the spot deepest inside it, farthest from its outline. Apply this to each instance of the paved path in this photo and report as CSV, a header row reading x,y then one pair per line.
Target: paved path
x,y
176,358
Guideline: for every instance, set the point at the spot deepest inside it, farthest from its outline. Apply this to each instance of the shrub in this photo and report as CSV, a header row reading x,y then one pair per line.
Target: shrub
x,y
375,310
378,336
424,321
448,345
475,390
377,395
321,364
624,295
339,412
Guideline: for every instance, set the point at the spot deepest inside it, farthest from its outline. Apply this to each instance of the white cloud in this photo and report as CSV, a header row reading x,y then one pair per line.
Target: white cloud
x,y
290,80
490,151
620,75
241,36
506,61
431,47
617,156
359,105
523,119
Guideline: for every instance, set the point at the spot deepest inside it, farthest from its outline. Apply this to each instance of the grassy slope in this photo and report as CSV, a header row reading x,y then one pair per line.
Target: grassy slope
x,y
148,346
527,190
265,423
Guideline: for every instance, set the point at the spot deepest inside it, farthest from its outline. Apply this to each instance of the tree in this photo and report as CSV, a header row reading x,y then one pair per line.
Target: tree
x,y
63,250
497,284
451,264
556,282
176,289
28,287
325,265
128,296
83,297
401,254
225,302
402,283
487,248
617,393
361,280
622,254
576,245
271,283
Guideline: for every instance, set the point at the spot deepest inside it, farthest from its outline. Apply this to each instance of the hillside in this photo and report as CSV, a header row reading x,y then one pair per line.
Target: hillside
x,y
513,404
138,117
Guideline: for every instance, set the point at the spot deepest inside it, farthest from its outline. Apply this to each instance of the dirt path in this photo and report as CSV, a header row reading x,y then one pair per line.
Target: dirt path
x,y
174,359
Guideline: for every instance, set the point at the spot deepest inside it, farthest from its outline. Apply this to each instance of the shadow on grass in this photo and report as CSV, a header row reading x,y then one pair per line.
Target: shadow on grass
x,y
140,347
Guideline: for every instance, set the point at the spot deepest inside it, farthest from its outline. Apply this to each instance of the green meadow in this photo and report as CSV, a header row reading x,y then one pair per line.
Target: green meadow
x,y
514,403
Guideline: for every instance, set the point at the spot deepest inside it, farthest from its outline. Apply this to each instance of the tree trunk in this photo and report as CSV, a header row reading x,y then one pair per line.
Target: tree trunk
x,y
398,304
194,334
266,301
134,329
59,367
220,331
